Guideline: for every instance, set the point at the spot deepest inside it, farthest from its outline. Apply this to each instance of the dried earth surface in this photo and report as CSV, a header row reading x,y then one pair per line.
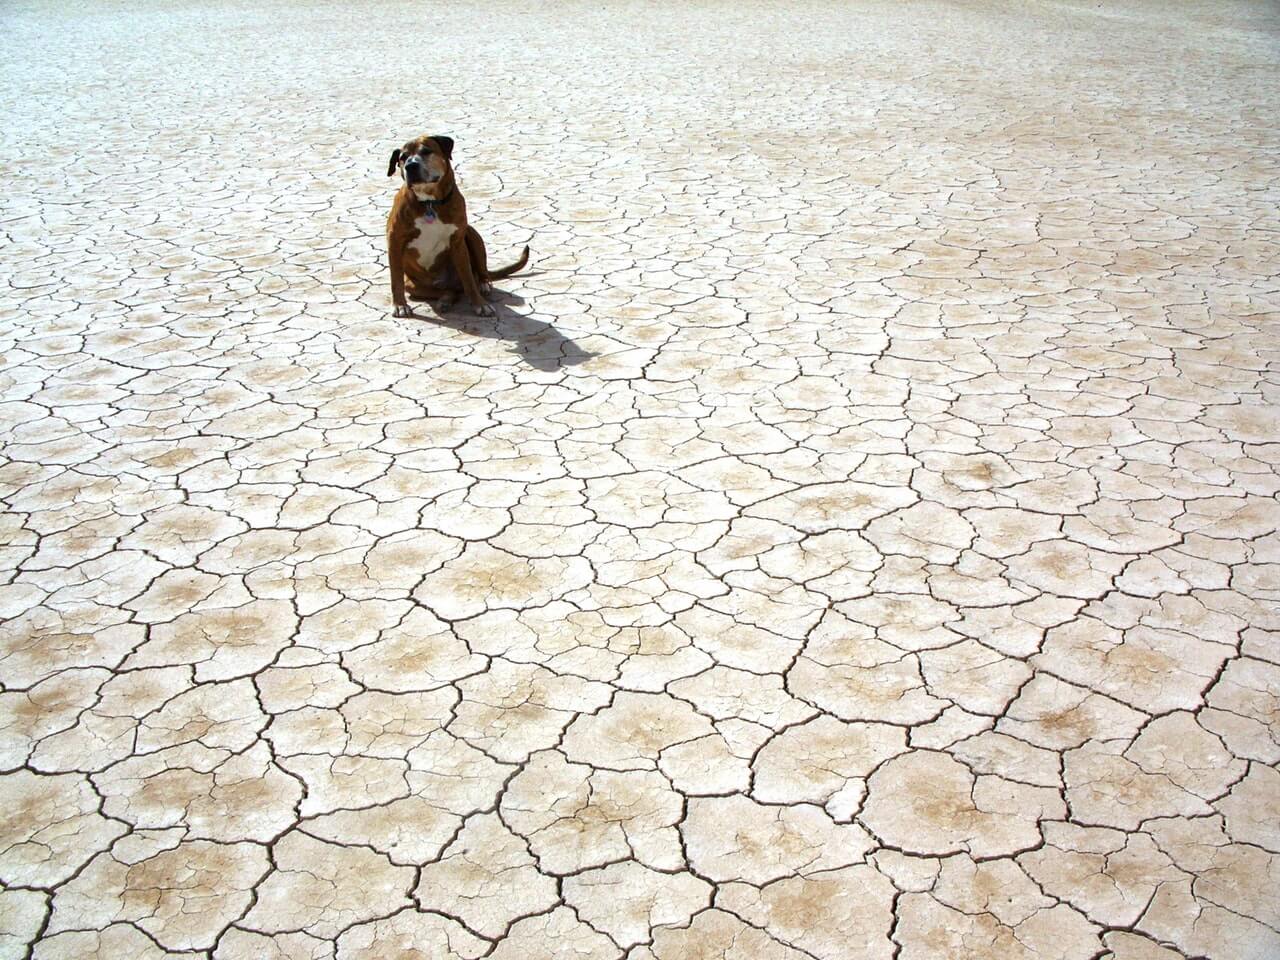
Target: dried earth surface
x,y
854,539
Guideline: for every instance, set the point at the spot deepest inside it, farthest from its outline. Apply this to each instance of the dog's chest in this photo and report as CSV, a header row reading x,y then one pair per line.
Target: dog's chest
x,y
432,239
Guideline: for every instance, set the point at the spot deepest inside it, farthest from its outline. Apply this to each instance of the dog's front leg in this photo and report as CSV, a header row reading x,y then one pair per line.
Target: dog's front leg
x,y
461,258
479,262
395,254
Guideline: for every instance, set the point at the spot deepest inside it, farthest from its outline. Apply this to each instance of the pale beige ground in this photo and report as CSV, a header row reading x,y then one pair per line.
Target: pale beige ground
x,y
856,539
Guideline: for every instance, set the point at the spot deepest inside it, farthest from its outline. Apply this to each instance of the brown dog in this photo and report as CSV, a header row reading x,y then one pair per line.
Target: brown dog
x,y
429,240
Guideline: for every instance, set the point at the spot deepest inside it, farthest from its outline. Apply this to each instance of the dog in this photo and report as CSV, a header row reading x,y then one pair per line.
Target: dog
x,y
429,242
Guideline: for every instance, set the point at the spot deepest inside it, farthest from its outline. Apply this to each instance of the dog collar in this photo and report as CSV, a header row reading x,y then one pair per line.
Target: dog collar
x,y
433,205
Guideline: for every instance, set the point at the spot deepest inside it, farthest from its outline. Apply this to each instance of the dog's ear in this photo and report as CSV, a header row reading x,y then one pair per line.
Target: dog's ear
x,y
446,144
395,158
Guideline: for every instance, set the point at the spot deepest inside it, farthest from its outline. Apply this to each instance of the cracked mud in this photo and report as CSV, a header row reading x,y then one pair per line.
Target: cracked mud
x,y
854,538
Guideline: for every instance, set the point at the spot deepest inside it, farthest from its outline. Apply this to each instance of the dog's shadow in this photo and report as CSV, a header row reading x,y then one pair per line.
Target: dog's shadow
x,y
536,342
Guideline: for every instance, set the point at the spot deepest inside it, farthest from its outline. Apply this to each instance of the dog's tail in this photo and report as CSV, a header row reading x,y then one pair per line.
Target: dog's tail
x,y
508,271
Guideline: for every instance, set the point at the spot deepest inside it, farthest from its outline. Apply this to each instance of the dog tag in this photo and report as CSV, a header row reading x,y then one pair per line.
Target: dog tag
x,y
431,216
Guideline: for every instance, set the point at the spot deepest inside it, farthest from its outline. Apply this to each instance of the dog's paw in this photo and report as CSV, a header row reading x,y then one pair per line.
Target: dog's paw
x,y
403,310
486,290
446,304
484,310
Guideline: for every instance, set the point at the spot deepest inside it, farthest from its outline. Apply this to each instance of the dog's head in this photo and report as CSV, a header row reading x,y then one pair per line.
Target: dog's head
x,y
424,164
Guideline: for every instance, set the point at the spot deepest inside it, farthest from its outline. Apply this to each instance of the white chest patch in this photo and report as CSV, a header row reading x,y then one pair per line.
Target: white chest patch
x,y
431,241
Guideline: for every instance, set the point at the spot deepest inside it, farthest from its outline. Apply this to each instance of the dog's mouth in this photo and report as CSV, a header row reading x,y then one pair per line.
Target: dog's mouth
x,y
417,174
